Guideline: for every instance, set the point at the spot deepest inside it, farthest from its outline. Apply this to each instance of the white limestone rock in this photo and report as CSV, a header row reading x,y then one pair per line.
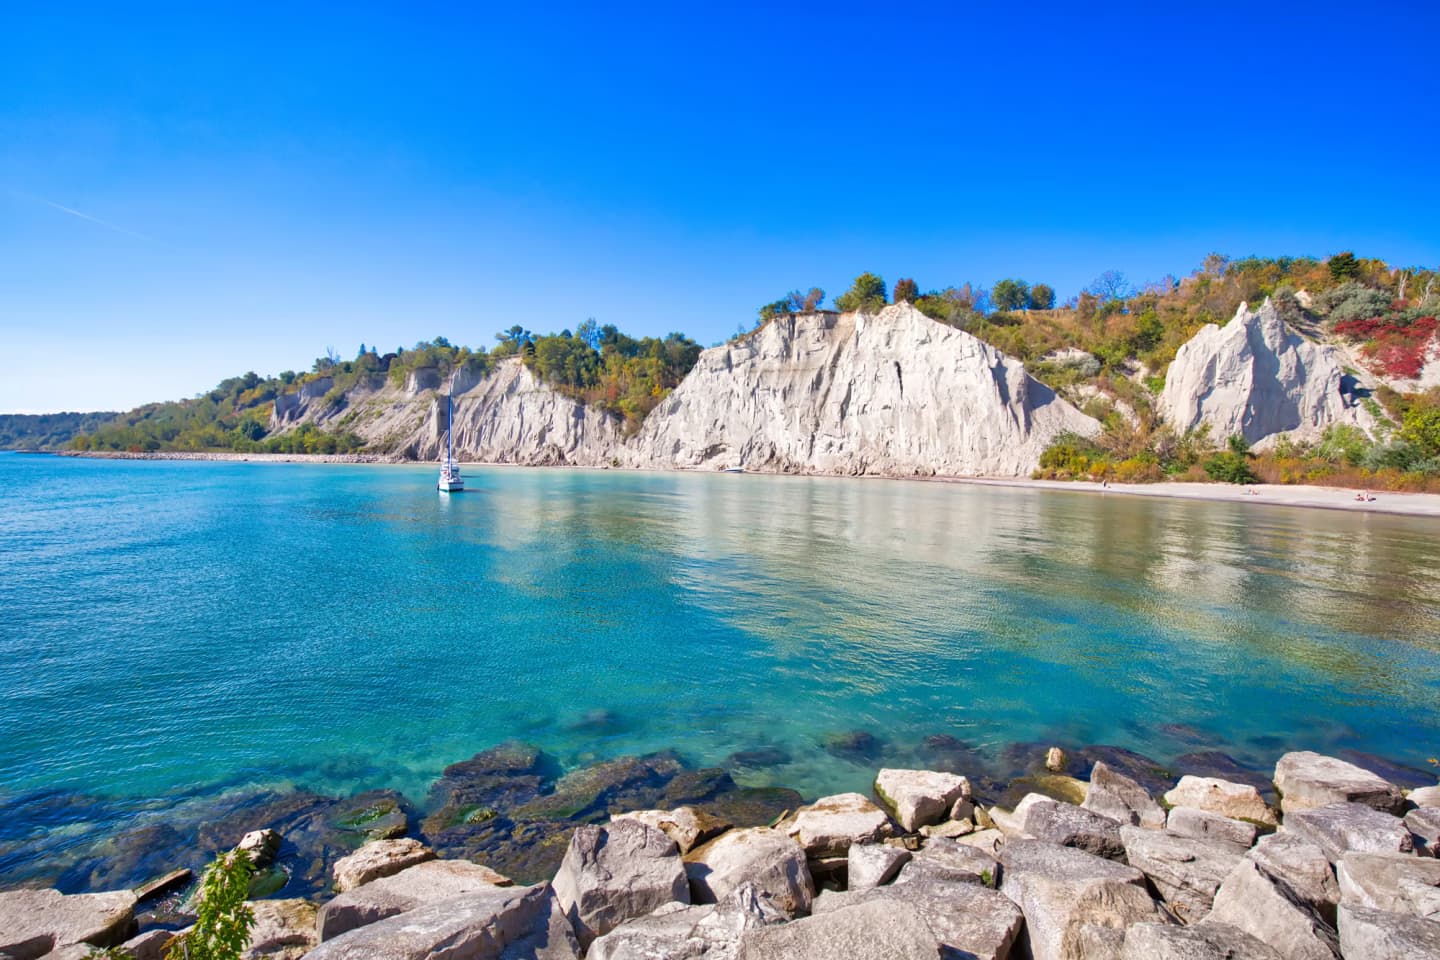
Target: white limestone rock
x,y
1239,801
968,920
35,922
615,873
687,826
827,827
407,890
945,860
1393,882
1072,826
1204,941
1116,796
1424,797
871,864
772,861
1185,871
1307,780
1424,826
284,929
894,394
1377,935
866,931
1341,827
380,858
918,798
1204,825
1253,901
1257,378
1302,868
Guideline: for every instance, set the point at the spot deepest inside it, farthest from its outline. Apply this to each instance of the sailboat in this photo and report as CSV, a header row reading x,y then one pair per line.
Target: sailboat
x,y
450,479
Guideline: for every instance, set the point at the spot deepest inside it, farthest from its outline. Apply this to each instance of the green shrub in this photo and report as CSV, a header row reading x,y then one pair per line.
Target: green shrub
x,y
222,920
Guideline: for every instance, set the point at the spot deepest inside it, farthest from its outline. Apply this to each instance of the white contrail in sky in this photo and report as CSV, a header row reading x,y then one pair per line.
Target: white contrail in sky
x,y
85,216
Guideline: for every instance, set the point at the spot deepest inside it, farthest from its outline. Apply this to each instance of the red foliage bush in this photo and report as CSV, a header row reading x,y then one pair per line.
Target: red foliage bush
x,y
1396,346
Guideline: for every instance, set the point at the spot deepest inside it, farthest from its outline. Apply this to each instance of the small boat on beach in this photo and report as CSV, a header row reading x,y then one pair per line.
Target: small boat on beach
x,y
450,479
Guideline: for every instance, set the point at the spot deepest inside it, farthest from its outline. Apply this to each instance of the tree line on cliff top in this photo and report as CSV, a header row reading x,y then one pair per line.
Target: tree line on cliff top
x,y
1113,337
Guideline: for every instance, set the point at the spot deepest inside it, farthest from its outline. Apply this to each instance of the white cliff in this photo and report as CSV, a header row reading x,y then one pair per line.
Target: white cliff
x,y
1258,378
894,394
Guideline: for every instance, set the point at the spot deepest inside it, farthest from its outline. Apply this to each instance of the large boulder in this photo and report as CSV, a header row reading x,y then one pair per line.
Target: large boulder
x,y
35,922
1307,780
665,933
1256,377
1072,826
1071,898
485,925
1424,826
407,890
1120,798
1251,900
1204,825
379,858
773,861
1424,797
743,909
1377,935
1396,882
946,860
866,931
615,873
687,826
827,827
1350,826
872,864
1185,871
918,798
1205,941
968,920
1238,801
284,929
1302,869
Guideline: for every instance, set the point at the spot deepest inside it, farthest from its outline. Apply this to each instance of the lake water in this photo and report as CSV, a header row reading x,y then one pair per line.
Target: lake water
x,y
174,628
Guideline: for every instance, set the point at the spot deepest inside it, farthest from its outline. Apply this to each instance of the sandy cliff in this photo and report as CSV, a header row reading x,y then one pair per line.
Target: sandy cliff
x,y
893,394
1256,377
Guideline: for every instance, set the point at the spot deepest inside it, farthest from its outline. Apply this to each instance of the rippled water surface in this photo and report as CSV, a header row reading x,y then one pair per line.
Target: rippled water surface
x,y
177,627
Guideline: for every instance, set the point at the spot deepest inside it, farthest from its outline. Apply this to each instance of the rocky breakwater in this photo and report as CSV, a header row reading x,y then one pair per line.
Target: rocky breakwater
x,y
1205,869
889,394
1257,378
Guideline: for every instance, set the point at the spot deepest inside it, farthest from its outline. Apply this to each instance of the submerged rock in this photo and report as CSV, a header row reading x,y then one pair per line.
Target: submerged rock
x,y
857,746
591,792
501,778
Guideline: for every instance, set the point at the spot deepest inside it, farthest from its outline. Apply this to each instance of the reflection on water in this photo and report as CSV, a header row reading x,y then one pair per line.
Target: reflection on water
x,y
187,625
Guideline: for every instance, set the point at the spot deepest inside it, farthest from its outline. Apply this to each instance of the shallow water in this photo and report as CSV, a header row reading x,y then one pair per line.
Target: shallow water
x,y
172,629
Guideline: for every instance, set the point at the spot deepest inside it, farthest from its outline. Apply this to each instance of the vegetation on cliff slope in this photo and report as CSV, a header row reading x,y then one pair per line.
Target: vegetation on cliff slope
x,y
47,431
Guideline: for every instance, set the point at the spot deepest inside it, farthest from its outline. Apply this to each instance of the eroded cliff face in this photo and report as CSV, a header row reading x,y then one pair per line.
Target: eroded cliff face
x,y
1258,378
892,394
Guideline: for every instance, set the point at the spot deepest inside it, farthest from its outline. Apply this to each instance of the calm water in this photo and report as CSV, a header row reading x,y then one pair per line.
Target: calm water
x,y
172,628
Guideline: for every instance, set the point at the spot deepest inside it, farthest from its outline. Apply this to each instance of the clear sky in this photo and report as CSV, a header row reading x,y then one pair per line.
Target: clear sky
x,y
191,191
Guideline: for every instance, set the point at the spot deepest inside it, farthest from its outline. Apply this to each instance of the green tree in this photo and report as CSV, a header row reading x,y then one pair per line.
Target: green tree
x,y
906,290
1343,266
1421,428
222,920
1042,297
1010,295
867,293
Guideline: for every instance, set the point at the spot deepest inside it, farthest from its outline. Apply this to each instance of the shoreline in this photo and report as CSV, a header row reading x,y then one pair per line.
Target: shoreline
x,y
1392,503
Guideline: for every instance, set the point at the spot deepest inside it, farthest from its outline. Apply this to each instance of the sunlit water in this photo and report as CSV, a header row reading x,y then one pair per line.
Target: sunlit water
x,y
176,628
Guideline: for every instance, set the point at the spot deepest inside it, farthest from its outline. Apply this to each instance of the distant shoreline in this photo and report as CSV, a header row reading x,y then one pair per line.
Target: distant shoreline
x,y
1286,495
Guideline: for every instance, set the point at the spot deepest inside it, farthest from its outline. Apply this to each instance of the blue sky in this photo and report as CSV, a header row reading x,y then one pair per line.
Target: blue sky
x,y
191,191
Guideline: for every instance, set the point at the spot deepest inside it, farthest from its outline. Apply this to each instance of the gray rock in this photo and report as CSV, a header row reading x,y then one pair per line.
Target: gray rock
x,y
1424,797
888,930
968,920
948,861
988,840
1251,900
1205,941
1071,898
1395,882
149,945
35,922
827,827
284,929
407,890
1185,871
1239,801
871,864
687,826
380,858
615,873
1302,869
1341,827
474,926
1072,826
918,798
743,909
1308,780
1116,796
1204,825
1424,826
772,860
261,846
1376,935
663,935
949,830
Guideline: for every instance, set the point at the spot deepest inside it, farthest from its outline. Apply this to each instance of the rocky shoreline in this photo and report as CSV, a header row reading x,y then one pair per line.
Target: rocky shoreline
x,y
640,857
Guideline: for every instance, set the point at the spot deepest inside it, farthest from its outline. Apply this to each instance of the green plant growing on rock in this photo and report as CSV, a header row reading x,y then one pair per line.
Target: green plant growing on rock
x,y
222,920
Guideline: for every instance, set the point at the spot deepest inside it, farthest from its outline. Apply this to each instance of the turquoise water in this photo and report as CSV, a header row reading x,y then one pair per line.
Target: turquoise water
x,y
175,628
